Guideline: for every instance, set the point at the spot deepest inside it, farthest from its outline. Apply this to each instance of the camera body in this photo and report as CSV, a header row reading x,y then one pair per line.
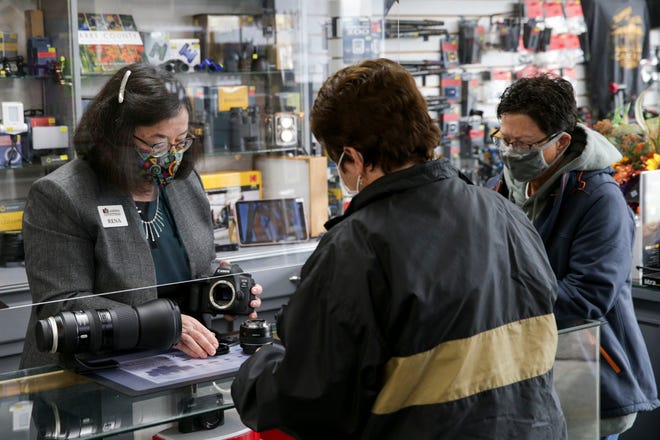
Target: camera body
x,y
226,292
281,129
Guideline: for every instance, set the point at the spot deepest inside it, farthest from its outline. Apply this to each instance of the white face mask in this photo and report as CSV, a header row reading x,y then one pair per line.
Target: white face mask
x,y
344,187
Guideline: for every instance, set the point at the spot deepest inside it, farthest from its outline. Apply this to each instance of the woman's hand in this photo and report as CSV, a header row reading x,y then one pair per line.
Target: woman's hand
x,y
256,290
196,341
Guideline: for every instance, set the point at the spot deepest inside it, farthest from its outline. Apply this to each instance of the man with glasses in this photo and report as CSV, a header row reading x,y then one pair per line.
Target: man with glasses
x,y
558,171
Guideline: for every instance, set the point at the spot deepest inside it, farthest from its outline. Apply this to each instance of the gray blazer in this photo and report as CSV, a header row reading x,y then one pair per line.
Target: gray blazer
x,y
69,254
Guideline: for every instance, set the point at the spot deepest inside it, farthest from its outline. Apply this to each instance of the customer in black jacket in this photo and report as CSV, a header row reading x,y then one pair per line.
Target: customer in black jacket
x,y
426,310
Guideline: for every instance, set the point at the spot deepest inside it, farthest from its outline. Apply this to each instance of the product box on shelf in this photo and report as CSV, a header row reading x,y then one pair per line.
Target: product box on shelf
x,y
225,188
40,56
11,215
354,39
50,137
213,30
184,49
34,23
104,46
159,48
9,42
93,21
155,46
232,96
450,121
32,122
11,154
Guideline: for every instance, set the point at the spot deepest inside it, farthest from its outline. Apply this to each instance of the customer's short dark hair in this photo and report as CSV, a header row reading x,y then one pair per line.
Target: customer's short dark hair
x,y
104,136
549,101
376,107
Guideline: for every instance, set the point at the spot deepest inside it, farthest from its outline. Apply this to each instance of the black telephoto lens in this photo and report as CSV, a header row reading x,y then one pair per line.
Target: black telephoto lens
x,y
153,325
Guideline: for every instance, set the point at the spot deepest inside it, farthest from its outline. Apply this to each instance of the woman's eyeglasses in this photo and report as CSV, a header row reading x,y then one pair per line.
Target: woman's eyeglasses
x,y
162,148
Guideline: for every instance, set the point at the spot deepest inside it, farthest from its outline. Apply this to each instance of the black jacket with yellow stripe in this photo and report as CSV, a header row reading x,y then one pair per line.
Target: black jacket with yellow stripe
x,y
424,312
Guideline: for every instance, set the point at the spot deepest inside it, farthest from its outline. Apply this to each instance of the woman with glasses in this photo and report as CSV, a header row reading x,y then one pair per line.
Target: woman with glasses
x,y
558,171
129,212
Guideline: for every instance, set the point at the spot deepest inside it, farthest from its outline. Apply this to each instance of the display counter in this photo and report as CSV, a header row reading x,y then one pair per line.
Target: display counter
x,y
647,310
275,267
57,404
53,404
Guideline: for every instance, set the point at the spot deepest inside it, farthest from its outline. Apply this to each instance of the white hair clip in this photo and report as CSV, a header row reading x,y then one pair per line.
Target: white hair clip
x,y
122,86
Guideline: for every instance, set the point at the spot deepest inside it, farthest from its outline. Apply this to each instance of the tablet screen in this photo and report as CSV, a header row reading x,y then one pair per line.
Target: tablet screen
x,y
270,221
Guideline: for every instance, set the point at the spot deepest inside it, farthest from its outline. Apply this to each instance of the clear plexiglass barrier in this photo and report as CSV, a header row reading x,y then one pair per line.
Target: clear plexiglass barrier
x,y
576,375
118,372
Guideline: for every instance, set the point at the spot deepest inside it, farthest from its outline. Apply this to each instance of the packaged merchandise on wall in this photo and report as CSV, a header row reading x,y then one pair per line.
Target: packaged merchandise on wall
x,y
11,151
177,55
40,56
34,23
104,44
11,215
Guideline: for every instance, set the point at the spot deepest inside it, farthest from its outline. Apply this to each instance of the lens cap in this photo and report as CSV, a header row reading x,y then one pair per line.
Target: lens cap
x,y
44,335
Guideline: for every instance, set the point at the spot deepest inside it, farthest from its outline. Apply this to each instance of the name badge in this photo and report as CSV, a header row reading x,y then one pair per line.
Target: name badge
x,y
112,216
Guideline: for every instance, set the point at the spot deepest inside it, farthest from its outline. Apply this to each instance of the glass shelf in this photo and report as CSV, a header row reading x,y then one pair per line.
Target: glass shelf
x,y
42,164
224,153
25,77
201,73
61,404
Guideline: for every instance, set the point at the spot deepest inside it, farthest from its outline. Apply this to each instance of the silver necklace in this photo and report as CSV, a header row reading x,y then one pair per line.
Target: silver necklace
x,y
153,227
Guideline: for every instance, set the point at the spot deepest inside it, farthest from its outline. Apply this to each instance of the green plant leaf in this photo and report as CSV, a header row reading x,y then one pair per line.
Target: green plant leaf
x,y
639,112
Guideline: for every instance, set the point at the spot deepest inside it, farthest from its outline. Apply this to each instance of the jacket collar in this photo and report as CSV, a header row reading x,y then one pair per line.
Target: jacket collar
x,y
417,175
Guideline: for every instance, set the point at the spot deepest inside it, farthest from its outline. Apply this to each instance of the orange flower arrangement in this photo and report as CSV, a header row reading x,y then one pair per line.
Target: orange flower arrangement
x,y
638,144
637,149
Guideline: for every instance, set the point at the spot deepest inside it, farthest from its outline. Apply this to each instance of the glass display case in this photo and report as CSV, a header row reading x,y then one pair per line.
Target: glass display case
x,y
251,69
50,404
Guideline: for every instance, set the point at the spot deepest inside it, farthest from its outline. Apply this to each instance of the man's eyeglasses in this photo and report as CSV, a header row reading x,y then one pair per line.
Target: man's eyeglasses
x,y
500,142
162,148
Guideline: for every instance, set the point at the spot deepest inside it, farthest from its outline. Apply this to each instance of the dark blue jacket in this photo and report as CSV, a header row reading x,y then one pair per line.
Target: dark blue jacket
x,y
588,231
